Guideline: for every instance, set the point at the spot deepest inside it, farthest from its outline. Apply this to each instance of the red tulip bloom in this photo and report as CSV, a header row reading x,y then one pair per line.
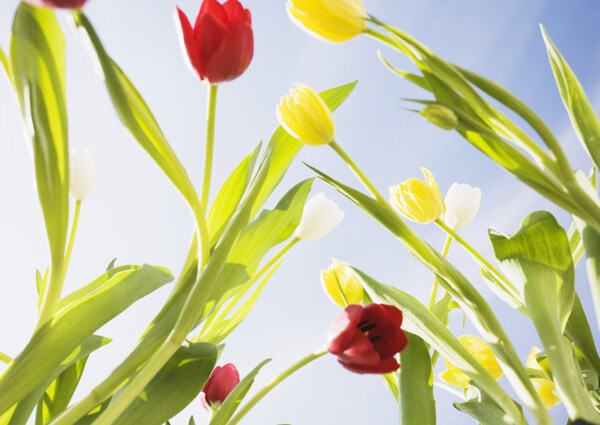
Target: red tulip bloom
x,y
221,382
221,44
366,338
63,4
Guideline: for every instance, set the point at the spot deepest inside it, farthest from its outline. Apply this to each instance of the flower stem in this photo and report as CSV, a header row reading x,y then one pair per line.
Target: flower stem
x,y
263,392
72,234
436,282
5,359
210,143
361,176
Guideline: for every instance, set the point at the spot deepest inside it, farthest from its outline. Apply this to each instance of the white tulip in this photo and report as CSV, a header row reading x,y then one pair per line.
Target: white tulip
x,y
462,203
81,174
320,216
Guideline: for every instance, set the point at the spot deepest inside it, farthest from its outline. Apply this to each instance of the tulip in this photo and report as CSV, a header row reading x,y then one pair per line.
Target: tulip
x,y
61,4
320,216
341,284
545,388
418,200
330,20
81,171
482,353
440,115
366,338
304,115
462,203
220,46
221,382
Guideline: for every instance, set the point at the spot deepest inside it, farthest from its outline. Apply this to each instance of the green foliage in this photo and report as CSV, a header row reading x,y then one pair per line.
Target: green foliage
x,y
481,406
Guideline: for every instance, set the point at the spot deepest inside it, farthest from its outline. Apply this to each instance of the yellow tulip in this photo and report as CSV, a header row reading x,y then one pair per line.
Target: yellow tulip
x,y
304,115
544,387
341,284
418,200
330,20
482,353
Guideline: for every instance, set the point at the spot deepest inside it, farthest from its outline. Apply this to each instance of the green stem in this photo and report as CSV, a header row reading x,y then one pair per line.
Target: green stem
x,y
5,359
436,282
361,176
72,234
210,143
263,392
52,293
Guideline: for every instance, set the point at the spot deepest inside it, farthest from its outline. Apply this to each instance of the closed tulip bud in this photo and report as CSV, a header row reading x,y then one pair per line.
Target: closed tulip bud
x,y
320,216
81,171
221,382
482,353
220,46
304,115
418,200
441,116
462,203
545,388
60,4
330,20
341,284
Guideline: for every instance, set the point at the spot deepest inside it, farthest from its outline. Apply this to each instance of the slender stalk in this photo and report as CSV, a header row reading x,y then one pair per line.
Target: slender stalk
x,y
361,176
5,359
436,282
210,143
263,392
52,293
72,234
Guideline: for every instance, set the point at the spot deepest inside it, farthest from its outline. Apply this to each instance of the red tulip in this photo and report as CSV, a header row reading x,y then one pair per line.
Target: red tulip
x,y
221,44
366,338
221,382
63,4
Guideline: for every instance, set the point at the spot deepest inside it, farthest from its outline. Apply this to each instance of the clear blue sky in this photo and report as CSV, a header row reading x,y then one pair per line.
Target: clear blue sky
x,y
135,215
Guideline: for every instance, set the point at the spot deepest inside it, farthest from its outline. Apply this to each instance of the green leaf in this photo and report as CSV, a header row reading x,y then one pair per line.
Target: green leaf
x,y
52,344
578,106
4,61
482,407
235,397
176,385
417,406
192,421
38,63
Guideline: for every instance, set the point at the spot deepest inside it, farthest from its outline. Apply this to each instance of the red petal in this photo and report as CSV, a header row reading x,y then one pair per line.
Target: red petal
x,y
394,314
375,313
236,13
233,56
360,351
71,4
391,342
388,365
188,44
209,35
221,382
343,328
214,9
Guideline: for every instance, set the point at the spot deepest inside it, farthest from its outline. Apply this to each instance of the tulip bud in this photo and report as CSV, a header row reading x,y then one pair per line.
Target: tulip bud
x,y
220,46
334,21
221,382
545,388
482,353
81,171
418,200
341,284
462,203
441,116
304,115
61,4
320,216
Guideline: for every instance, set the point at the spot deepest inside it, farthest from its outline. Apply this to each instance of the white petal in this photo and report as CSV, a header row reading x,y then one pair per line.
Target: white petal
x,y
82,174
320,216
462,203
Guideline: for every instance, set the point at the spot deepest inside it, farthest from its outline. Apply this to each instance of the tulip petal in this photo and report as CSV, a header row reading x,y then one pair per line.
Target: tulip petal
x,y
388,365
233,56
63,4
360,352
209,34
236,13
394,314
343,328
214,9
188,44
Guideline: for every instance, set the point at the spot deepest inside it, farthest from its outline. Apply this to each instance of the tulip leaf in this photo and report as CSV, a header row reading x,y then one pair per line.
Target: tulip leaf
x,y
481,407
52,344
176,385
423,323
4,61
578,106
235,397
415,393
20,412
37,54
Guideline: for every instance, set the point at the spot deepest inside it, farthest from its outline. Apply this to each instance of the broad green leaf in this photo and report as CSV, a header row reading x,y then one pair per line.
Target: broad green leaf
x,y
578,106
423,323
52,344
135,114
38,64
579,332
20,413
176,385
482,407
415,397
235,397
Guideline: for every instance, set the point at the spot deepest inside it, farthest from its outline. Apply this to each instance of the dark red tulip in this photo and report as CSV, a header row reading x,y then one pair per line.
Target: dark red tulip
x,y
63,4
221,382
220,46
366,338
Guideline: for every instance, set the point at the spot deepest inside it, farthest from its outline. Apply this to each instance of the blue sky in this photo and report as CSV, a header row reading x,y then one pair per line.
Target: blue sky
x,y
135,215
